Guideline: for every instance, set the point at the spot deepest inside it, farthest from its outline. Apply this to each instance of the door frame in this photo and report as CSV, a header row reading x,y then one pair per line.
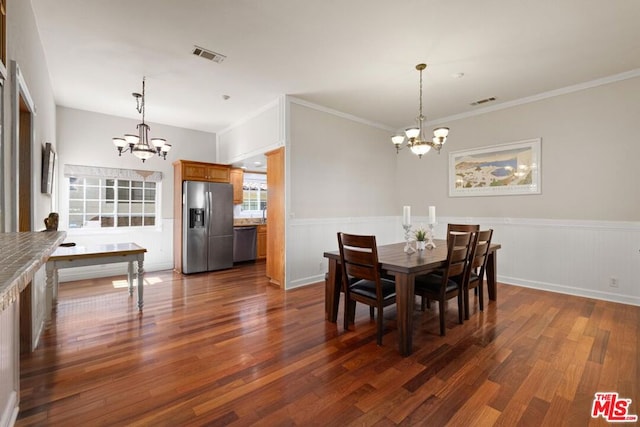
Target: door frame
x,y
19,92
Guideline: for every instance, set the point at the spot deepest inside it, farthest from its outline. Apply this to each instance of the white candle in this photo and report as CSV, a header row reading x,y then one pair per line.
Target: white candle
x,y
406,215
432,214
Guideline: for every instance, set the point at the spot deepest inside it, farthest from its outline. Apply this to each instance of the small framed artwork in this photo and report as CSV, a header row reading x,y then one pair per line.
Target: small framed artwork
x,y
506,169
48,164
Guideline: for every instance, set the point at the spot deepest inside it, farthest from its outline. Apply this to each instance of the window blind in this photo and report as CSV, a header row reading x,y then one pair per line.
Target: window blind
x,y
80,171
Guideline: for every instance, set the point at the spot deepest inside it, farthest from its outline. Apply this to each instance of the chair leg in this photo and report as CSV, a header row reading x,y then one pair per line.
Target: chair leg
x,y
442,328
422,302
371,311
349,313
460,305
346,315
466,303
480,295
380,327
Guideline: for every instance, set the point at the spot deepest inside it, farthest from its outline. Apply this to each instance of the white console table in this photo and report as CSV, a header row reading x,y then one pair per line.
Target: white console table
x,y
81,256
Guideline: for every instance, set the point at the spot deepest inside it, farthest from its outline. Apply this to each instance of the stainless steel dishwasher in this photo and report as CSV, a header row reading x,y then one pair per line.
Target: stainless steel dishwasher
x,y
244,244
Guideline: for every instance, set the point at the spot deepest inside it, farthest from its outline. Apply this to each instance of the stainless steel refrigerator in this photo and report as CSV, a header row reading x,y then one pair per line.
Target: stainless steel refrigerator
x,y
207,235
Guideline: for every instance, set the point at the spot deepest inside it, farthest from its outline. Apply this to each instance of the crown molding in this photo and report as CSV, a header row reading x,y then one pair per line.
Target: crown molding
x,y
544,95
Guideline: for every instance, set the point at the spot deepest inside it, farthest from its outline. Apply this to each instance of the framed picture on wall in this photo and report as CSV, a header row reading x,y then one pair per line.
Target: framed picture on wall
x,y
497,170
48,163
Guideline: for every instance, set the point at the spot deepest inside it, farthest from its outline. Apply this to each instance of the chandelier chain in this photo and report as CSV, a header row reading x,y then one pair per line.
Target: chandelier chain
x,y
420,117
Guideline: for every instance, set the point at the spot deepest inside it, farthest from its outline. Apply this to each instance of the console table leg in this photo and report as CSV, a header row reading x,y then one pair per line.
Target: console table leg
x,y
49,290
130,277
140,283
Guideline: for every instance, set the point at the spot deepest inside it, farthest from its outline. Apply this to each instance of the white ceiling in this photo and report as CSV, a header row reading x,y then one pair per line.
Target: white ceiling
x,y
355,56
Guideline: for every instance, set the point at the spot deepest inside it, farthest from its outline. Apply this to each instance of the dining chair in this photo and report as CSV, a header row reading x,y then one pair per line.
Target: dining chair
x,y
474,278
462,228
455,228
447,283
359,260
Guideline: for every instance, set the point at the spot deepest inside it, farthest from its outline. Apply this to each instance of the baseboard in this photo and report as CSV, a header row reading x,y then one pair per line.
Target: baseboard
x,y
10,411
306,281
569,290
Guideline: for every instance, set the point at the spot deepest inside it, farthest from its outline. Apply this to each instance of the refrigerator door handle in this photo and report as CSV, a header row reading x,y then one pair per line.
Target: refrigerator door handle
x,y
208,210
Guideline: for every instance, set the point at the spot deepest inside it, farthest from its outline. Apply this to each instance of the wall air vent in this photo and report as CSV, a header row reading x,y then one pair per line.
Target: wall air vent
x,y
483,101
208,54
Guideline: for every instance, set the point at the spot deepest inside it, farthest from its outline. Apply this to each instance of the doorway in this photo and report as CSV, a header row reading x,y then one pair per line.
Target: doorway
x,y
25,172
20,200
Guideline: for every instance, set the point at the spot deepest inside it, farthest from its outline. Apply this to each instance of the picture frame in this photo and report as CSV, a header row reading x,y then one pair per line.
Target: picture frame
x,y
497,170
48,165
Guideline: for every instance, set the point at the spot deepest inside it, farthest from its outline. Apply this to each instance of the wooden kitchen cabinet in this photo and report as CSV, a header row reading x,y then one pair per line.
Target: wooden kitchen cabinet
x,y
261,243
237,180
198,171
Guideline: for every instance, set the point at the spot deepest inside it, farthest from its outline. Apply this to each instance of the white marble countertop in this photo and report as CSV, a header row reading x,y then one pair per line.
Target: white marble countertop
x,y
21,255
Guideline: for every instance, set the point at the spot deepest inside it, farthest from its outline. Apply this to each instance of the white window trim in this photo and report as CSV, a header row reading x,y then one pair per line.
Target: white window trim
x,y
102,172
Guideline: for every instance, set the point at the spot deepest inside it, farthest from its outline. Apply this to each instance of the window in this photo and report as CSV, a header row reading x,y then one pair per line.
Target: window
x,y
110,202
254,193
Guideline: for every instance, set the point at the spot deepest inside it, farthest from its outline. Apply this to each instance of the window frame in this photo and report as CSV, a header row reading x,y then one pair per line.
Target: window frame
x,y
261,181
108,185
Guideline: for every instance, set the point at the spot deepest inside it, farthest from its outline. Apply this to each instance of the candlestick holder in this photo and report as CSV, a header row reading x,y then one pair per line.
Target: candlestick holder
x,y
430,244
407,238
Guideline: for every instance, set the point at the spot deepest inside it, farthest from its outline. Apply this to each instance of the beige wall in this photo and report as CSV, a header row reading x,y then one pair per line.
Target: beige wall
x,y
24,47
338,167
590,152
85,139
257,134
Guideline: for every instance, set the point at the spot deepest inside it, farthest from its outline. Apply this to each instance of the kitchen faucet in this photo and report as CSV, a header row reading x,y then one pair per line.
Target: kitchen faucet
x,y
264,212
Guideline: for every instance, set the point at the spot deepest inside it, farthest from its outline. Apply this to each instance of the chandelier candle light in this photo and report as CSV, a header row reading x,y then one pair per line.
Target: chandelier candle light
x,y
141,145
416,139
406,224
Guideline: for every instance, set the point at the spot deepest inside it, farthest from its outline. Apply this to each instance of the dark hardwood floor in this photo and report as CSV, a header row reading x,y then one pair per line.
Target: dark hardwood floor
x,y
225,348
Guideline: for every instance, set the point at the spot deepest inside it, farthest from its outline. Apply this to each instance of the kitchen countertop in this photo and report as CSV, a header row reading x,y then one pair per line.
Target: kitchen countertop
x,y
248,222
21,255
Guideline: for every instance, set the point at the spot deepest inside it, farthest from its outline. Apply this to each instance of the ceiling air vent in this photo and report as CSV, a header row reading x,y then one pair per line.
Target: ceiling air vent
x,y
208,54
483,101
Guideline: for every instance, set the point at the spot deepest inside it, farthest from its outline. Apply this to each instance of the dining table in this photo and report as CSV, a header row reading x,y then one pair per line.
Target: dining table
x,y
404,267
91,255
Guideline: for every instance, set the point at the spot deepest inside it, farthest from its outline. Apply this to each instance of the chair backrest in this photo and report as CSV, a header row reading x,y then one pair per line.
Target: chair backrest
x,y
462,228
478,254
458,249
480,250
359,259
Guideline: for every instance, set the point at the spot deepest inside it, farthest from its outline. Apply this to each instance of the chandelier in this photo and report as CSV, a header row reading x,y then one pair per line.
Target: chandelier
x,y
141,145
416,140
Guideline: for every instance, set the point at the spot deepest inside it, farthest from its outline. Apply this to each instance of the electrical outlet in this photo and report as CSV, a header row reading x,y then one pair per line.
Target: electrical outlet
x,y
613,282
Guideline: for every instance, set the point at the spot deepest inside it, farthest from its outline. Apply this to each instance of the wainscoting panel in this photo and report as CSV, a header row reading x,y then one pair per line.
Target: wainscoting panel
x,y
308,239
157,241
9,365
573,257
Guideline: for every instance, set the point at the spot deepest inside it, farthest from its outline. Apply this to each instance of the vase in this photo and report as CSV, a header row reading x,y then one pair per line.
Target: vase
x,y
421,245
